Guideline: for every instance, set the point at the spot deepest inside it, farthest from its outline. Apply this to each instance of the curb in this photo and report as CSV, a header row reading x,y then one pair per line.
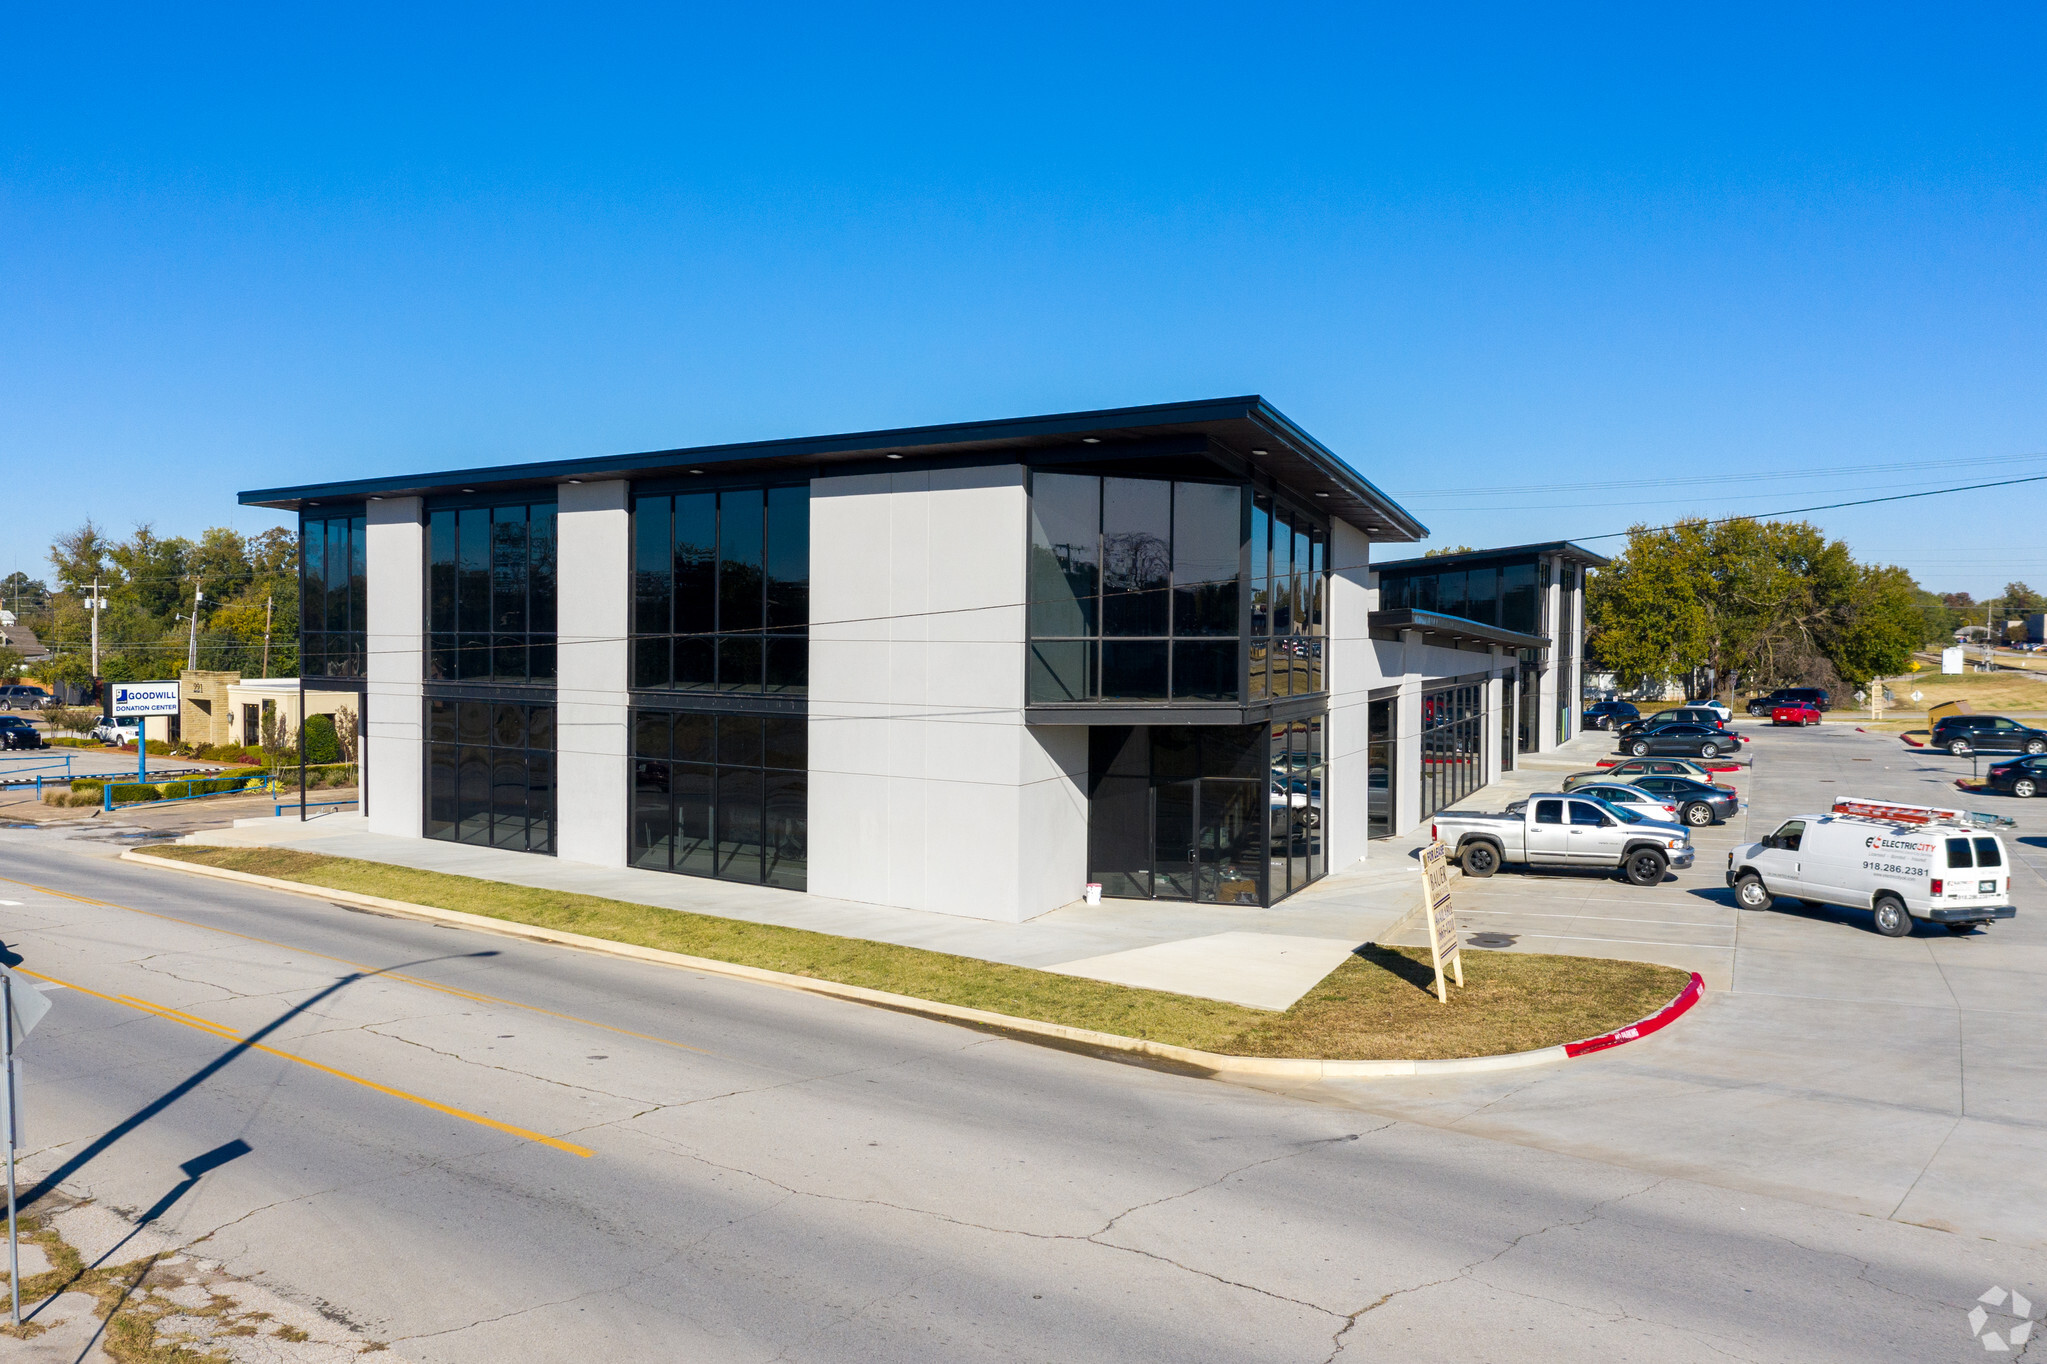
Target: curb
x,y
1213,1063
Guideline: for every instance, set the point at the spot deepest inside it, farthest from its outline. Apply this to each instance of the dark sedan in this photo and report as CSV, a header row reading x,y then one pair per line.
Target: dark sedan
x,y
1610,714
16,732
1697,802
1680,741
2019,776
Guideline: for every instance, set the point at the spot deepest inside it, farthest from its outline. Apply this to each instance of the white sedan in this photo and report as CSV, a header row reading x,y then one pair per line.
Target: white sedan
x,y
1714,704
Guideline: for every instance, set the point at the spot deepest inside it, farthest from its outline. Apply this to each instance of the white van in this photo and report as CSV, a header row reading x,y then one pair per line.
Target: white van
x,y
1900,862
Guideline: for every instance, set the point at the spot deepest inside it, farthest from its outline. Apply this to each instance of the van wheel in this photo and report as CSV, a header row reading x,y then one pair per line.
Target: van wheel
x,y
1751,893
2025,786
1645,867
1958,748
1480,859
1639,748
1891,919
1698,814
1709,749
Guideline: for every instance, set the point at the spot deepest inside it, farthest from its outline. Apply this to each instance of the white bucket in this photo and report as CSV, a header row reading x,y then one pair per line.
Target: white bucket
x,y
1094,892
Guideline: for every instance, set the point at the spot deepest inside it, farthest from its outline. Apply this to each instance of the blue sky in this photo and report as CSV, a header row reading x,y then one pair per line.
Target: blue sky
x,y
1541,276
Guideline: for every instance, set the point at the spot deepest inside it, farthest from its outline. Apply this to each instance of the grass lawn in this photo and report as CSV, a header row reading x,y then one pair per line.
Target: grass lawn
x,y
1376,1006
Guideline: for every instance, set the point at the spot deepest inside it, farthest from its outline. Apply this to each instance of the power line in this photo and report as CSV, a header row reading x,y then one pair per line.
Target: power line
x,y
1829,506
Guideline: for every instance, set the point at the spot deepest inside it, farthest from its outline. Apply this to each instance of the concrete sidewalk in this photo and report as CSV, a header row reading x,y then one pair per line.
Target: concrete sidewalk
x,y
1265,958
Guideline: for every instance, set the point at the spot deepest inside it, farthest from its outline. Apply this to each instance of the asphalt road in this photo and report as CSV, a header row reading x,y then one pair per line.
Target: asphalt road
x,y
771,1175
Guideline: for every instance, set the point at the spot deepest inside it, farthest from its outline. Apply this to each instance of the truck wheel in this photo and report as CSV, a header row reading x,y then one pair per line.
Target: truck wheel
x,y
1698,814
1645,867
2025,786
1751,893
1639,749
1709,749
1480,860
1891,919
1958,748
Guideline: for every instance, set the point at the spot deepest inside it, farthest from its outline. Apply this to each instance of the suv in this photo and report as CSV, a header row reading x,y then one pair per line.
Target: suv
x,y
1610,714
18,696
1816,697
1962,735
117,732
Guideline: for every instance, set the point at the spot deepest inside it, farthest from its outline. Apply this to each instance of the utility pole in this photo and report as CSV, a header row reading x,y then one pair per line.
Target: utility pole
x,y
97,602
268,602
192,650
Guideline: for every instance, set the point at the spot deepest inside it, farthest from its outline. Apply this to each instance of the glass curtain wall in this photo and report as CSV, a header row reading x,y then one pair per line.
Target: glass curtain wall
x,y
1504,595
724,796
491,593
1288,568
490,774
1133,589
333,597
721,591
1177,813
1452,738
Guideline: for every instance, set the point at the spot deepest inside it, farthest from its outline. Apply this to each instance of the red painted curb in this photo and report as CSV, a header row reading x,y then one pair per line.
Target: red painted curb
x,y
1655,1022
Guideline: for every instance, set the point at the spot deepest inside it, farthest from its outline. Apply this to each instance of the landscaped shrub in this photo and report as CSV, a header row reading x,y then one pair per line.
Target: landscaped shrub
x,y
322,746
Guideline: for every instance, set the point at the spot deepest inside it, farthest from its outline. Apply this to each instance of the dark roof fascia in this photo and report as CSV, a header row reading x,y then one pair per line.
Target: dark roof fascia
x,y
1563,549
1293,460
1457,627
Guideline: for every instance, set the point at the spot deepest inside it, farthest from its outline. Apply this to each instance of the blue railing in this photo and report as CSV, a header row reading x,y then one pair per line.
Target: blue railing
x,y
13,770
247,786
277,812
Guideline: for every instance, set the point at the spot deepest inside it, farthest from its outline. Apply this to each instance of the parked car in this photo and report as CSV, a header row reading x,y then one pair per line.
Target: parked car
x,y
1609,714
20,696
1682,740
1962,735
2019,776
1947,873
1677,715
1794,713
1633,797
16,732
1290,803
117,732
1698,802
1627,769
1714,704
1812,696
1574,831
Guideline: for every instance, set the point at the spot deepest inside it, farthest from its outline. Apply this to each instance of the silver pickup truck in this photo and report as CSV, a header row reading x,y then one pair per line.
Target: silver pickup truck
x,y
1558,830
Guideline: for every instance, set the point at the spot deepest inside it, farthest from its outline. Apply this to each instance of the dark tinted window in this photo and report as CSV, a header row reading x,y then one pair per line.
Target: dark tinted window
x,y
1987,854
1582,814
1958,853
1549,812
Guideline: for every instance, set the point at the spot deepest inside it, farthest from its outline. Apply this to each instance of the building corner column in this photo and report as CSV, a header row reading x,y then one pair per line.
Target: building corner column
x,y
394,723
593,702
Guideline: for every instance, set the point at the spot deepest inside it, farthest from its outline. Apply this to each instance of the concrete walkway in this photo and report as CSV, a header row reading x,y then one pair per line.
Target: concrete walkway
x,y
1262,957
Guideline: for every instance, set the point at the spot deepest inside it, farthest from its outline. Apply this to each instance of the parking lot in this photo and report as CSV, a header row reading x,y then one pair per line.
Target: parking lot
x,y
1902,1078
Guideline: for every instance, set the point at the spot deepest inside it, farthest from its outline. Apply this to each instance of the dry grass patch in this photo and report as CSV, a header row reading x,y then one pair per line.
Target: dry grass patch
x,y
1376,1006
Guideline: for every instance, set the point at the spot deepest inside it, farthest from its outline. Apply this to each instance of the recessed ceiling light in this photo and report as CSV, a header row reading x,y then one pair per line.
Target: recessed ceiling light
x,y
1259,452
894,457
1321,494
696,471
575,480
469,490
376,499
1090,440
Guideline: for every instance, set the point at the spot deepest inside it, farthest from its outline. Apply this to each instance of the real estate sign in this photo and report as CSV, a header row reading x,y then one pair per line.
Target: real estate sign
x,y
144,698
1442,918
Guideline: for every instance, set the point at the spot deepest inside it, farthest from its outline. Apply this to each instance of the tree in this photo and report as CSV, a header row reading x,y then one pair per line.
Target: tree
x,y
81,557
2018,601
10,665
1763,602
1435,553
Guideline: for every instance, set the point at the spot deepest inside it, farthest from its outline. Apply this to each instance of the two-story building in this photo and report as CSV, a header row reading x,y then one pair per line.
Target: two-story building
x,y
965,668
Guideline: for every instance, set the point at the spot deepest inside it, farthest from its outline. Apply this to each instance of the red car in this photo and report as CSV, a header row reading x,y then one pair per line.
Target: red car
x,y
1794,713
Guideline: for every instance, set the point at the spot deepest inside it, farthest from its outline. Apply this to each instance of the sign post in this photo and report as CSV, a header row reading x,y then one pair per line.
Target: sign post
x,y
21,1008
138,701
1442,919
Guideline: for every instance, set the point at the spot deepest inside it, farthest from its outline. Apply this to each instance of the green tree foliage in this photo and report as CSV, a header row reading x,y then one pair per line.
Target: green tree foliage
x,y
322,746
1760,603
149,581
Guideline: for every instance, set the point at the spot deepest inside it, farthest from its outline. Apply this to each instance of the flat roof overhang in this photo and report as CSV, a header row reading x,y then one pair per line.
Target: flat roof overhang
x,y
1562,549
1245,431
1455,627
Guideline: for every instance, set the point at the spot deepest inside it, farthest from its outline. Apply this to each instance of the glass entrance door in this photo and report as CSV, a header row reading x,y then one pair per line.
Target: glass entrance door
x,y
1228,843
1176,842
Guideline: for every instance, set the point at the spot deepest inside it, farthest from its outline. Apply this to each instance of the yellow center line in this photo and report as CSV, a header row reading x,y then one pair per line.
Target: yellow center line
x,y
456,991
227,1034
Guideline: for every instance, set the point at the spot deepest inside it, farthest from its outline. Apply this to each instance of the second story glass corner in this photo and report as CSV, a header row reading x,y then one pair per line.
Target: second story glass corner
x,y
333,596
491,589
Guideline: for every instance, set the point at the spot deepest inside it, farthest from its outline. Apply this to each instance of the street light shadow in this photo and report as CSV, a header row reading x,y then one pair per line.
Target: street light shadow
x,y
48,1183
